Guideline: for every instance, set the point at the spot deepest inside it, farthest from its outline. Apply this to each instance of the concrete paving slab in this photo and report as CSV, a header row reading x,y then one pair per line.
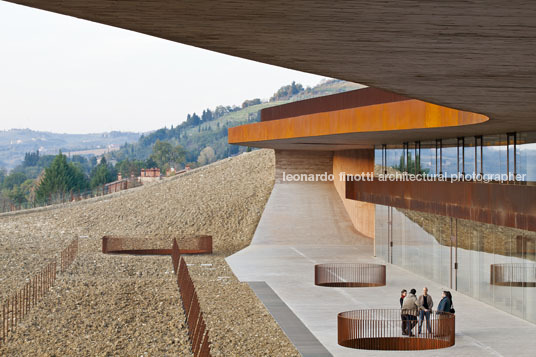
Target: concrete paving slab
x,y
284,258
306,343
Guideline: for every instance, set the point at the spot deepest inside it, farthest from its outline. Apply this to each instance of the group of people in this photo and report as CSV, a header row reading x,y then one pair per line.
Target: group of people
x,y
413,307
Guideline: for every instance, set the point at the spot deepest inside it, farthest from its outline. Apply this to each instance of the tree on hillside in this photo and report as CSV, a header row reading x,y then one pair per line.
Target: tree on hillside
x,y
193,120
13,179
17,196
250,102
286,92
20,194
102,174
166,155
220,111
83,163
59,178
206,156
150,163
128,167
207,116
31,159
2,176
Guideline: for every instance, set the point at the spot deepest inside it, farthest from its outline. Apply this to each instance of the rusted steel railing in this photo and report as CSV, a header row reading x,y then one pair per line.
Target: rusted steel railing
x,y
393,329
17,306
515,274
197,244
68,255
175,256
349,275
197,329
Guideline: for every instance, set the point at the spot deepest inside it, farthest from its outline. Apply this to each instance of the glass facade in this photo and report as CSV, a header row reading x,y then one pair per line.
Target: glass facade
x,y
494,264
461,255
505,154
526,155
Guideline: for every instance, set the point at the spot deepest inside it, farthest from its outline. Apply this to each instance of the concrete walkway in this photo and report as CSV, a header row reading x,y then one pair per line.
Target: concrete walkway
x,y
306,343
305,224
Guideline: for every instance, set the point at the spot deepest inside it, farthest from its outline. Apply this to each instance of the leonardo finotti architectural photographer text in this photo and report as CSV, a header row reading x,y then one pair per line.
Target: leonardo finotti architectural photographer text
x,y
368,176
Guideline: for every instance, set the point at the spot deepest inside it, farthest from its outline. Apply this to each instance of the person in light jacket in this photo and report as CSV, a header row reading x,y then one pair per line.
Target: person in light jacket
x,y
425,303
403,294
409,311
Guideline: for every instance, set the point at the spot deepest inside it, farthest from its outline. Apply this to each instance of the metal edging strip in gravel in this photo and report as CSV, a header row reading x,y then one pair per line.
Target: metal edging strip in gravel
x,y
304,341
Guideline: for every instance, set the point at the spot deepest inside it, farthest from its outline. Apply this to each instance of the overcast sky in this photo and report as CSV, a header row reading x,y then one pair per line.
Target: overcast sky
x,y
62,74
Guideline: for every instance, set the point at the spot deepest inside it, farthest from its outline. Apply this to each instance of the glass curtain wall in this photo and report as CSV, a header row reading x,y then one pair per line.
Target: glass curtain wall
x,y
505,154
526,155
494,264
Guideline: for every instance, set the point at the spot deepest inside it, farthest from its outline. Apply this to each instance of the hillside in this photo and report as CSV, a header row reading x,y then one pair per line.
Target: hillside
x,y
130,305
209,129
15,143
197,141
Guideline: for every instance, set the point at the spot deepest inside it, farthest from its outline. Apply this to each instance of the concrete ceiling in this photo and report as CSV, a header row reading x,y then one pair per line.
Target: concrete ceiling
x,y
478,56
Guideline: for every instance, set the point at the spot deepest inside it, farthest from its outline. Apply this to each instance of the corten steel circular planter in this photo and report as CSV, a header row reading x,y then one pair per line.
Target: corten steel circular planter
x,y
199,244
382,329
515,274
351,275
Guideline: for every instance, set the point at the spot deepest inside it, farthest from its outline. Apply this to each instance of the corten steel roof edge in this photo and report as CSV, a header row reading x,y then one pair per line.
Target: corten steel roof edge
x,y
389,118
506,205
328,103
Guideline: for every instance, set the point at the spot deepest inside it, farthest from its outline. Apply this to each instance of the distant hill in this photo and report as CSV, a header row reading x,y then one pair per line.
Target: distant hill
x,y
196,133
15,143
209,129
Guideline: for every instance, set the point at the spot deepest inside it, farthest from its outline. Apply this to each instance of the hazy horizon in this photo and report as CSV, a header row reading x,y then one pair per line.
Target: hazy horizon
x,y
65,75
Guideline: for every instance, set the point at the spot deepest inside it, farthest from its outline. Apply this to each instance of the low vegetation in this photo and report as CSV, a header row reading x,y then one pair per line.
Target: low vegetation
x,y
199,140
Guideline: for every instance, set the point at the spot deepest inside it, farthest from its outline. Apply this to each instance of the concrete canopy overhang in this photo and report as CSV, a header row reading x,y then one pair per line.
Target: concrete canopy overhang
x,y
477,56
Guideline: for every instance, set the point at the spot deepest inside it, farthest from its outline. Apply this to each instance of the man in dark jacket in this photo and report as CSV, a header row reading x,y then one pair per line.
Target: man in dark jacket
x,y
445,305
403,294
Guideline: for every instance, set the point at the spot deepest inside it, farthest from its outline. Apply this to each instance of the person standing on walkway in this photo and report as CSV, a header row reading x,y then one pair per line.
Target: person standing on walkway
x,y
409,311
445,305
403,294
425,306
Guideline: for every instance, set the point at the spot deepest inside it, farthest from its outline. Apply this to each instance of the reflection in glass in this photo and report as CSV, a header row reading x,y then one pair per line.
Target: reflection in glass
x,y
449,159
494,154
526,155
489,154
430,245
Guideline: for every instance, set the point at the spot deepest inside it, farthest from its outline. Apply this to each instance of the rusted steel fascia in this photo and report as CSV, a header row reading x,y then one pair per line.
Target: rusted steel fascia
x,y
492,203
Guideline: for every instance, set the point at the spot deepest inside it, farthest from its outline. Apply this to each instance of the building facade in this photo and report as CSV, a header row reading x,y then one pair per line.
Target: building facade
x,y
437,197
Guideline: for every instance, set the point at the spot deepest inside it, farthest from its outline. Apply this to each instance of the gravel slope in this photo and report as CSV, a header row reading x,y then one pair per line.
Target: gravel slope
x,y
107,306
249,329
225,200
125,305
